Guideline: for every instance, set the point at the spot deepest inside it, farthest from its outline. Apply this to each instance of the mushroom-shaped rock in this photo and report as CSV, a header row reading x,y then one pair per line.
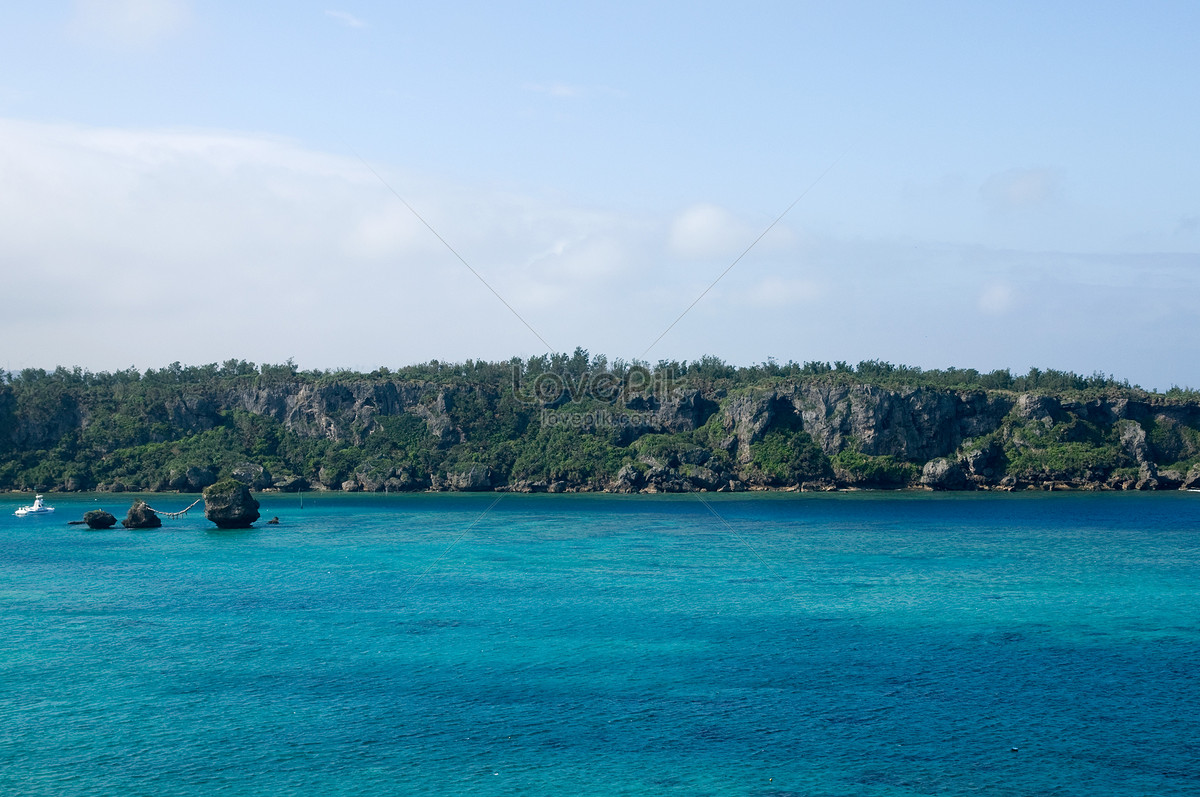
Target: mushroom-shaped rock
x,y
141,517
229,504
99,519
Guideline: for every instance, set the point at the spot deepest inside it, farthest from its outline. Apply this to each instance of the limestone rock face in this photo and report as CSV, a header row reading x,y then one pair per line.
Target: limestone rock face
x,y
676,411
290,484
140,516
405,479
99,519
229,504
193,480
371,481
628,480
1133,441
942,474
1170,479
253,475
1192,480
328,477
983,463
478,478
1147,477
913,425
1038,408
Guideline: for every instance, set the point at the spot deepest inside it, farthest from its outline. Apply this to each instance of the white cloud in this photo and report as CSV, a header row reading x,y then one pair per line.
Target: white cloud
x,y
129,24
706,231
150,246
204,241
349,20
388,233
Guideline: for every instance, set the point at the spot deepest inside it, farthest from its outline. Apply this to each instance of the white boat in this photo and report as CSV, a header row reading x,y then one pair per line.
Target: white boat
x,y
38,508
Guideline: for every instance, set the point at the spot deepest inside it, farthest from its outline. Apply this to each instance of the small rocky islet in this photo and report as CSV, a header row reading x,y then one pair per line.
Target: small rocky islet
x,y
228,504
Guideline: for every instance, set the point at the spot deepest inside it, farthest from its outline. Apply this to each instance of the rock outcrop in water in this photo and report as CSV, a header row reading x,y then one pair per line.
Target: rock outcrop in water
x,y
140,516
99,519
229,505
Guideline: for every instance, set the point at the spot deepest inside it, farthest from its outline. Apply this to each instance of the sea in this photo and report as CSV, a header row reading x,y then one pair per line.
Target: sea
x,y
869,643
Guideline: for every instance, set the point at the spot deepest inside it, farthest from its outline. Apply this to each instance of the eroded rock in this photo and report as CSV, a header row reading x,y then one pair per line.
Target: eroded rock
x,y
141,516
475,479
253,475
229,504
99,519
943,474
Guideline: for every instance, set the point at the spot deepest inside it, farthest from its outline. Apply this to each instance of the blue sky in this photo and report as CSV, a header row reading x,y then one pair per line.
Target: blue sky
x,y
995,186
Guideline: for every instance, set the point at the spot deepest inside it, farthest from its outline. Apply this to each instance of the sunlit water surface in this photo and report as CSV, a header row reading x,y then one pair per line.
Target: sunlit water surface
x,y
848,644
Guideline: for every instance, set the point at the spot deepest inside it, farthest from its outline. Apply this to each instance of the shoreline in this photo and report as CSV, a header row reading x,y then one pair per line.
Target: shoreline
x,y
1057,487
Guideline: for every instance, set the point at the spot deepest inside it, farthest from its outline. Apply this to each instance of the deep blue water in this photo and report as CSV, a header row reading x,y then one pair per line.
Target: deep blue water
x,y
780,644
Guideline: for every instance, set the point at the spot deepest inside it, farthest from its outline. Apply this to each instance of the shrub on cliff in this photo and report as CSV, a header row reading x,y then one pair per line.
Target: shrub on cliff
x,y
789,456
861,470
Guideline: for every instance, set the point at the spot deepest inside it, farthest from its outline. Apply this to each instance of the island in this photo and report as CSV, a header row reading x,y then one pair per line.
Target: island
x,y
576,422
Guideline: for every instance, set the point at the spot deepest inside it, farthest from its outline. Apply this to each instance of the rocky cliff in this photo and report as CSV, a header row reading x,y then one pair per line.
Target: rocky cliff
x,y
377,433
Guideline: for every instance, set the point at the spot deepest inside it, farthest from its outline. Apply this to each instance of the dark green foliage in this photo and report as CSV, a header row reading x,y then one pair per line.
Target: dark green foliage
x,y
863,470
787,455
1062,461
232,486
1070,449
74,429
670,450
561,453
1172,443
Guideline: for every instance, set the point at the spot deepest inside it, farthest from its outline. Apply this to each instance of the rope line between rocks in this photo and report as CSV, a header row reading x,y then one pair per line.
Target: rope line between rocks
x,y
174,514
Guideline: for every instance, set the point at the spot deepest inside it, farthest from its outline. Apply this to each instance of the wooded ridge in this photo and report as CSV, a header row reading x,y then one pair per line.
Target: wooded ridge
x,y
576,422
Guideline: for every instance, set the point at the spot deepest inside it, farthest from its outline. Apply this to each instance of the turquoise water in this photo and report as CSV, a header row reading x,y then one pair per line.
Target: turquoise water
x,y
781,644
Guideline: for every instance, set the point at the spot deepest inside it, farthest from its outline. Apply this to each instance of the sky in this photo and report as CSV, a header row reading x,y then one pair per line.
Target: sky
x,y
365,184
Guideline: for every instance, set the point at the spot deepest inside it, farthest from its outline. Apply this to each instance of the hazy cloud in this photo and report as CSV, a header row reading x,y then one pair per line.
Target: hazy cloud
x,y
310,241
783,292
349,20
1018,189
706,230
562,90
555,89
388,233
1188,225
129,24
996,298
131,232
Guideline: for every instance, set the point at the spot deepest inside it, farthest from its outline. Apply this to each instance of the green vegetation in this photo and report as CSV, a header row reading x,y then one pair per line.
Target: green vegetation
x,y
1174,444
863,470
1072,449
538,421
787,454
